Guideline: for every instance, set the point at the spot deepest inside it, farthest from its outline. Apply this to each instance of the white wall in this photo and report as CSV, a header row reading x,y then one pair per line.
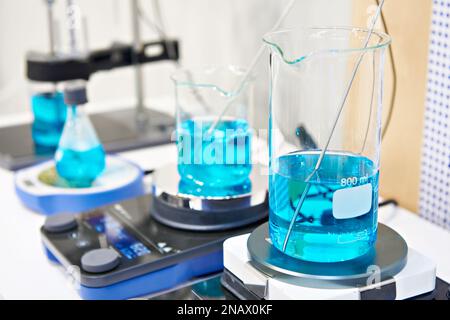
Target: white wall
x,y
211,32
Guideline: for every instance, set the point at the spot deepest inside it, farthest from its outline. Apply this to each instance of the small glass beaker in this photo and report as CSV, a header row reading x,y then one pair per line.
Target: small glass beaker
x,y
214,157
49,113
324,159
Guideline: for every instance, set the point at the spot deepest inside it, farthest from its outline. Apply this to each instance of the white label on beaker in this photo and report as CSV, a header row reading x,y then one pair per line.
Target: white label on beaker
x,y
352,202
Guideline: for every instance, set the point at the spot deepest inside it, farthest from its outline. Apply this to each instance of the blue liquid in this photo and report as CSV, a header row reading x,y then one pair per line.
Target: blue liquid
x,y
49,113
317,235
220,160
80,168
192,189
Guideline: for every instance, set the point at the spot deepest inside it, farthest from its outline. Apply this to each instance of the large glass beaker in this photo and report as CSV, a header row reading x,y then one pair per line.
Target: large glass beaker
x,y
324,141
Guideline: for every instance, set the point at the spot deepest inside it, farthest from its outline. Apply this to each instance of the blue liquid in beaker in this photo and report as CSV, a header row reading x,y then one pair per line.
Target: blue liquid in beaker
x,y
320,233
80,168
49,113
220,159
193,189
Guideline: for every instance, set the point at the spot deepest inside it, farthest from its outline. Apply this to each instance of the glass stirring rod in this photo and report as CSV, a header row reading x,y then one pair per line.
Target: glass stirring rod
x,y
341,107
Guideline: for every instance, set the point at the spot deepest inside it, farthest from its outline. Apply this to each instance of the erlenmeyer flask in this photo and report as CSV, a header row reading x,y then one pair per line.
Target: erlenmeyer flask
x,y
336,201
80,157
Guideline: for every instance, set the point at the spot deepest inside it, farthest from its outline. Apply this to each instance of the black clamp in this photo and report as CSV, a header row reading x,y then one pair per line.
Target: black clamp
x,y
47,68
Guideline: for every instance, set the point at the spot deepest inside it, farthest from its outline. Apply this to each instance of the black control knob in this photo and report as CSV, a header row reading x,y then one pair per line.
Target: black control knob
x,y
60,223
100,260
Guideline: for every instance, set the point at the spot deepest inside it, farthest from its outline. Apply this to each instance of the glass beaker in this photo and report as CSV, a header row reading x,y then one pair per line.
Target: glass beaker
x,y
214,158
324,159
49,111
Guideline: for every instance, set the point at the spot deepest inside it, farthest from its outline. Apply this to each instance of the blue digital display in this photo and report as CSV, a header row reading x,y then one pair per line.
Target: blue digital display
x,y
118,237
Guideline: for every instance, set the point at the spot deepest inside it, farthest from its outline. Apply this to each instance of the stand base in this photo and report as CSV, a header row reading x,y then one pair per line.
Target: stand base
x,y
417,277
386,259
121,180
118,130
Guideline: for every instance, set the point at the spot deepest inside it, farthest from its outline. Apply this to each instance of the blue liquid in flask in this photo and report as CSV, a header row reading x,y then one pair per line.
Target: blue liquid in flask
x,y
80,157
49,113
216,162
318,235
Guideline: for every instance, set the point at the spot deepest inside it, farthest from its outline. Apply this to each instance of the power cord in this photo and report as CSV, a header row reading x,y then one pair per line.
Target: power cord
x,y
394,78
388,202
393,97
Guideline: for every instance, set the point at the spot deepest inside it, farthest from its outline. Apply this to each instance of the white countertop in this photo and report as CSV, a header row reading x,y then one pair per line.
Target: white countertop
x,y
25,272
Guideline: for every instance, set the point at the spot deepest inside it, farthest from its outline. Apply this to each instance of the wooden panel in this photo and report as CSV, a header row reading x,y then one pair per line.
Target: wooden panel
x,y
409,24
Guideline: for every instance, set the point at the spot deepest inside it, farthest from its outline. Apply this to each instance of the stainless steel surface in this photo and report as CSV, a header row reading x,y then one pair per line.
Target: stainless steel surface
x,y
387,259
166,181
197,213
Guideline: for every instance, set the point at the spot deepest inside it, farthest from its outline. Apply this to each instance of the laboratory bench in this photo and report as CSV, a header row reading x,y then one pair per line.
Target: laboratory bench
x,y
26,273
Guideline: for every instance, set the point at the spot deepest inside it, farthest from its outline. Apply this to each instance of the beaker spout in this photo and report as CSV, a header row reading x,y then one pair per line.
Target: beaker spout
x,y
296,45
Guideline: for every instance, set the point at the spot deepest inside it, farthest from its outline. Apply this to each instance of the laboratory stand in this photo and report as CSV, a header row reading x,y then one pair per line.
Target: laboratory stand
x,y
131,127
